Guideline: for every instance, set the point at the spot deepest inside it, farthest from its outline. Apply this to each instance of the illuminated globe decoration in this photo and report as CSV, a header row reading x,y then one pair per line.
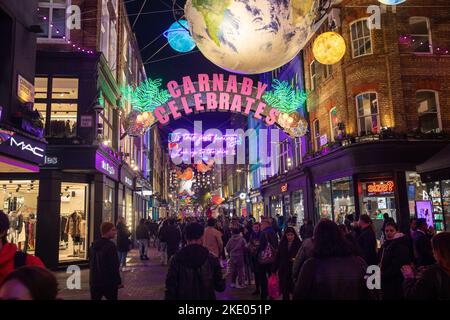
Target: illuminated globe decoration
x,y
178,37
248,36
391,2
329,48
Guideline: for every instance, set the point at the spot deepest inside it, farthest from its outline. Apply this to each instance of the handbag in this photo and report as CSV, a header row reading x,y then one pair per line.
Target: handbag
x,y
267,256
273,286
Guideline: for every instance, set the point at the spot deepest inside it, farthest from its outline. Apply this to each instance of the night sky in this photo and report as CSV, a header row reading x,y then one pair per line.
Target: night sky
x,y
156,17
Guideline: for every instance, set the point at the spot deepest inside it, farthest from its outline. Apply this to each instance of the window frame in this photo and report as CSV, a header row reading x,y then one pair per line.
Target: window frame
x,y
51,6
316,134
438,107
333,138
358,117
430,40
313,77
353,40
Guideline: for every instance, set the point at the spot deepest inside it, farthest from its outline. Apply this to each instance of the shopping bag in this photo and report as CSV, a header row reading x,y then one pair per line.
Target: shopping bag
x,y
274,286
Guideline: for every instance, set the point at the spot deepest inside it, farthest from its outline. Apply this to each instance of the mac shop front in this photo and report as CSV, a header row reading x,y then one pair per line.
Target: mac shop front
x,y
77,192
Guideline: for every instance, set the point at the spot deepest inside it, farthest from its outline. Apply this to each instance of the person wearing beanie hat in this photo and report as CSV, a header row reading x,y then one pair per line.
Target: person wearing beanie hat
x,y
104,279
9,255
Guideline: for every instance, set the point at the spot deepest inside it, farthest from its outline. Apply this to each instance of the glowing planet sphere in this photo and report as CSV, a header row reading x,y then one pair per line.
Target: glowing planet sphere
x,y
329,48
391,2
250,36
178,36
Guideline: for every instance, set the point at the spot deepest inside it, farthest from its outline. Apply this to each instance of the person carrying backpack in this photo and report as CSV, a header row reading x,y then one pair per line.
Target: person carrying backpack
x,y
10,257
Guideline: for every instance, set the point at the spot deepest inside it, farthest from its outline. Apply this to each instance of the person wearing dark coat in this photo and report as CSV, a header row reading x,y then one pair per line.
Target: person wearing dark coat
x,y
142,237
253,247
123,241
434,282
194,273
306,230
104,266
171,235
394,254
367,240
268,236
423,253
287,251
334,272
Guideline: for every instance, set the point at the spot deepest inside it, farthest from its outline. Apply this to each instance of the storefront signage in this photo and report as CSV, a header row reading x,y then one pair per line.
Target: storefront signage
x,y
242,196
128,182
51,160
104,165
424,210
284,187
323,140
86,121
27,147
380,188
25,90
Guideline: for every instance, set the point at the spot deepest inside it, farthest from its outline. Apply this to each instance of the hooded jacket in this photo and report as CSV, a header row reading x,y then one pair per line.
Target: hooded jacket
x,y
7,260
394,254
104,264
194,274
236,246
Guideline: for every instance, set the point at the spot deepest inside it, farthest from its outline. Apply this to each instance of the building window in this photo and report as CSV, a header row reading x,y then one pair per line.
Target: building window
x,y
334,124
284,156
59,110
360,38
316,134
428,111
327,71
420,34
297,151
52,17
313,74
108,40
368,116
106,119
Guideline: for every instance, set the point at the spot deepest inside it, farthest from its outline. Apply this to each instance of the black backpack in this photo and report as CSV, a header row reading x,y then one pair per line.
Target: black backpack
x,y
19,259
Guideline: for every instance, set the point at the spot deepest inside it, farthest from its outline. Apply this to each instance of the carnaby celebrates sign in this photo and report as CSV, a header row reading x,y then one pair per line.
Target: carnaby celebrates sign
x,y
215,93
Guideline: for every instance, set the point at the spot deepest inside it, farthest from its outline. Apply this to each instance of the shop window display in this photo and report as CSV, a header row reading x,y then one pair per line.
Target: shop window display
x,y
323,200
376,199
73,222
343,199
276,206
298,208
19,199
108,201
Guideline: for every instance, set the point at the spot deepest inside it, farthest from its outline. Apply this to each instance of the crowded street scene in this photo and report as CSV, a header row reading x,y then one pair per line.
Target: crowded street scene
x,y
258,151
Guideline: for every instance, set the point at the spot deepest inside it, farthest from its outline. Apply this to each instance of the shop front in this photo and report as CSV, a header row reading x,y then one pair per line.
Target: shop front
x,y
257,205
126,195
76,194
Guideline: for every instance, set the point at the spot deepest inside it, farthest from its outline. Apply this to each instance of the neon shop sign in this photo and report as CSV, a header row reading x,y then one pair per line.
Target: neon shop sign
x,y
379,188
27,147
108,168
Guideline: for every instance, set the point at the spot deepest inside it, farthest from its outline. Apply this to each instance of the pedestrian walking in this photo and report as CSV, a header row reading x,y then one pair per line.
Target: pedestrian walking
x,y
236,251
367,240
29,283
334,272
434,281
171,235
253,249
143,238
10,257
306,230
123,242
194,273
104,265
304,253
423,253
266,255
394,254
162,244
287,251
212,238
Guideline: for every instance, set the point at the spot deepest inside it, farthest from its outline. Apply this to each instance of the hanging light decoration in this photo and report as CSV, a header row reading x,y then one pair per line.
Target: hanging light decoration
x,y
329,47
391,2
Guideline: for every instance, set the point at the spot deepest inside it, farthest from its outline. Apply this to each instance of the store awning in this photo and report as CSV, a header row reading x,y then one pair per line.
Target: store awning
x,y
437,167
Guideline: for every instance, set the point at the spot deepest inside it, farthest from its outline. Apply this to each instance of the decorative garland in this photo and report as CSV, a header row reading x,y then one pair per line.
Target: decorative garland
x,y
147,96
285,98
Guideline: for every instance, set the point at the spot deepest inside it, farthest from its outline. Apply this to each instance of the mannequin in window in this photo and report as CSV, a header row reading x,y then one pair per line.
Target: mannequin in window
x,y
73,228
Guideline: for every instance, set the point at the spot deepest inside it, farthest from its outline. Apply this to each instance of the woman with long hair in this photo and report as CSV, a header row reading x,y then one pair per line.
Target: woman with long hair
x,y
434,282
287,251
334,272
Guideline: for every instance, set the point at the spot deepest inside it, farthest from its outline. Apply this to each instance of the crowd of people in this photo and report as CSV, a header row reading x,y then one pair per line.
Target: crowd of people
x,y
321,262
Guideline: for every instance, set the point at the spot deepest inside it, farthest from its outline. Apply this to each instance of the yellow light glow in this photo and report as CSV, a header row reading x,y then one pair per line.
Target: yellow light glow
x,y
329,48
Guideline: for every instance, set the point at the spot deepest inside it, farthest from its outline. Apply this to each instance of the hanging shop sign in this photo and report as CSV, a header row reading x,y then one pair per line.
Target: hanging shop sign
x,y
323,140
216,93
19,146
25,90
86,121
284,187
106,166
126,178
380,188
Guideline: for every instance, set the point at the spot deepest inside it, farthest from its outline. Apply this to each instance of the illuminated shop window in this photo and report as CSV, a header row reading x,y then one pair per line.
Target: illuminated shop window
x,y
428,111
334,124
420,35
368,116
360,38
